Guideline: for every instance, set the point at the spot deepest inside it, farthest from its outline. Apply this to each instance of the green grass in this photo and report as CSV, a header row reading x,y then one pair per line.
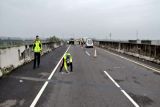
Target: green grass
x,y
9,46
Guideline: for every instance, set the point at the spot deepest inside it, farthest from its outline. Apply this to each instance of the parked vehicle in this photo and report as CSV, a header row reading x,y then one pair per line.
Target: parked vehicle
x,y
89,43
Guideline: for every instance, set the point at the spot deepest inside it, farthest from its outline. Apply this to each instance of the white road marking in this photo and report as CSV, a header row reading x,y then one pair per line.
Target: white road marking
x,y
46,83
130,99
146,66
88,53
112,79
95,52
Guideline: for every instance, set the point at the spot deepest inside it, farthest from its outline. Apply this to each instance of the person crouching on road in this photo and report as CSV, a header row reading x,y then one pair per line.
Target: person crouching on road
x,y
67,61
37,48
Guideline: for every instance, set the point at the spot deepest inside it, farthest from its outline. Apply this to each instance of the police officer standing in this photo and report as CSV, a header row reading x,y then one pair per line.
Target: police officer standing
x,y
37,48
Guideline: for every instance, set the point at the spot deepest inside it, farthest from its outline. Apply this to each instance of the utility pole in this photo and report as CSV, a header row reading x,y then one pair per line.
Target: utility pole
x,y
106,37
110,35
137,34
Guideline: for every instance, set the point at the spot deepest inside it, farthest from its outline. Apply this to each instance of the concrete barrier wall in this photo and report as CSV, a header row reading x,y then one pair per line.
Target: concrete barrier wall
x,y
144,51
11,58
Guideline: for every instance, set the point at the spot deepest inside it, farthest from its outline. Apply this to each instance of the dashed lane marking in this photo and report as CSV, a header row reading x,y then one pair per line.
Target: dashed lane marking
x,y
88,53
127,95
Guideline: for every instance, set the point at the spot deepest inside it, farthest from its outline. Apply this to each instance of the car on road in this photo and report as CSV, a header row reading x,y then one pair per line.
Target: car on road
x,y
89,43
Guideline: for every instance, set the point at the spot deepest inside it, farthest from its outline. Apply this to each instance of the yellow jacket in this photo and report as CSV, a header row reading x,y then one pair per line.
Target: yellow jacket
x,y
65,60
37,46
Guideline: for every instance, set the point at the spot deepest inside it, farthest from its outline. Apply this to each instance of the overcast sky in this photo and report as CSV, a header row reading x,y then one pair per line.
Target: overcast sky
x,y
125,19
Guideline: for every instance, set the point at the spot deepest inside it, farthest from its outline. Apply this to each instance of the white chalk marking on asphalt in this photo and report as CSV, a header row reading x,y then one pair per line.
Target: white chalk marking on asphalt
x,y
146,66
46,83
133,102
88,53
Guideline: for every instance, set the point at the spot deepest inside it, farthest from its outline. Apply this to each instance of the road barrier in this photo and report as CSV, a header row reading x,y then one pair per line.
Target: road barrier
x,y
11,58
144,51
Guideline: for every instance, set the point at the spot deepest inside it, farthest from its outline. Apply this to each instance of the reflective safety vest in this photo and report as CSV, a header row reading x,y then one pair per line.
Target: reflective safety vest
x,y
67,59
37,46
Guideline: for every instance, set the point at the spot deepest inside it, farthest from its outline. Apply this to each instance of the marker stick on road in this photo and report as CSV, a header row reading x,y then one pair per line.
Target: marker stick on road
x,y
95,53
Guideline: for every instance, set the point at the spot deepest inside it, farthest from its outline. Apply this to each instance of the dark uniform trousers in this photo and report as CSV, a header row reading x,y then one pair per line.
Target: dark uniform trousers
x,y
36,59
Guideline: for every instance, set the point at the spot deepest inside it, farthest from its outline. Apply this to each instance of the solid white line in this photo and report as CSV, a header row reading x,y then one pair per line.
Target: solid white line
x,y
46,83
87,53
146,66
132,101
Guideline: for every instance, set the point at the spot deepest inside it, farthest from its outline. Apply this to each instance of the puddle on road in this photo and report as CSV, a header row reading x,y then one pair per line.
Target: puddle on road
x,y
141,100
137,82
109,69
117,80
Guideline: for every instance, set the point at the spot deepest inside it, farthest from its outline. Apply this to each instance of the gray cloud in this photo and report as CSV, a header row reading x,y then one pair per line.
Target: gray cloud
x,y
93,18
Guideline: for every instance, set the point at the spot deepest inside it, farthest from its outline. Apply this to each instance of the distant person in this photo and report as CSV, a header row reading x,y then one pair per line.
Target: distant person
x,y
67,61
37,48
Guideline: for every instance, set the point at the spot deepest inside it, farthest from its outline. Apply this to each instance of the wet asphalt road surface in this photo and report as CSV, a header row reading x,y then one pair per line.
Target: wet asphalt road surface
x,y
87,86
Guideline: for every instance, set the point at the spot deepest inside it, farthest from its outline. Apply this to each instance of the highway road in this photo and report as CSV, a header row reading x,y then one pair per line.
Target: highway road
x,y
107,80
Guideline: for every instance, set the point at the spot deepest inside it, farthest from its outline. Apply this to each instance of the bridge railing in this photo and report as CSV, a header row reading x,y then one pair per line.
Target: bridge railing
x,y
144,51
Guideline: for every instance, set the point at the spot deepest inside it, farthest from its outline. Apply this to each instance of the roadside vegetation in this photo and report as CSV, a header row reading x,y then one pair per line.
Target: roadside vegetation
x,y
54,39
7,43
